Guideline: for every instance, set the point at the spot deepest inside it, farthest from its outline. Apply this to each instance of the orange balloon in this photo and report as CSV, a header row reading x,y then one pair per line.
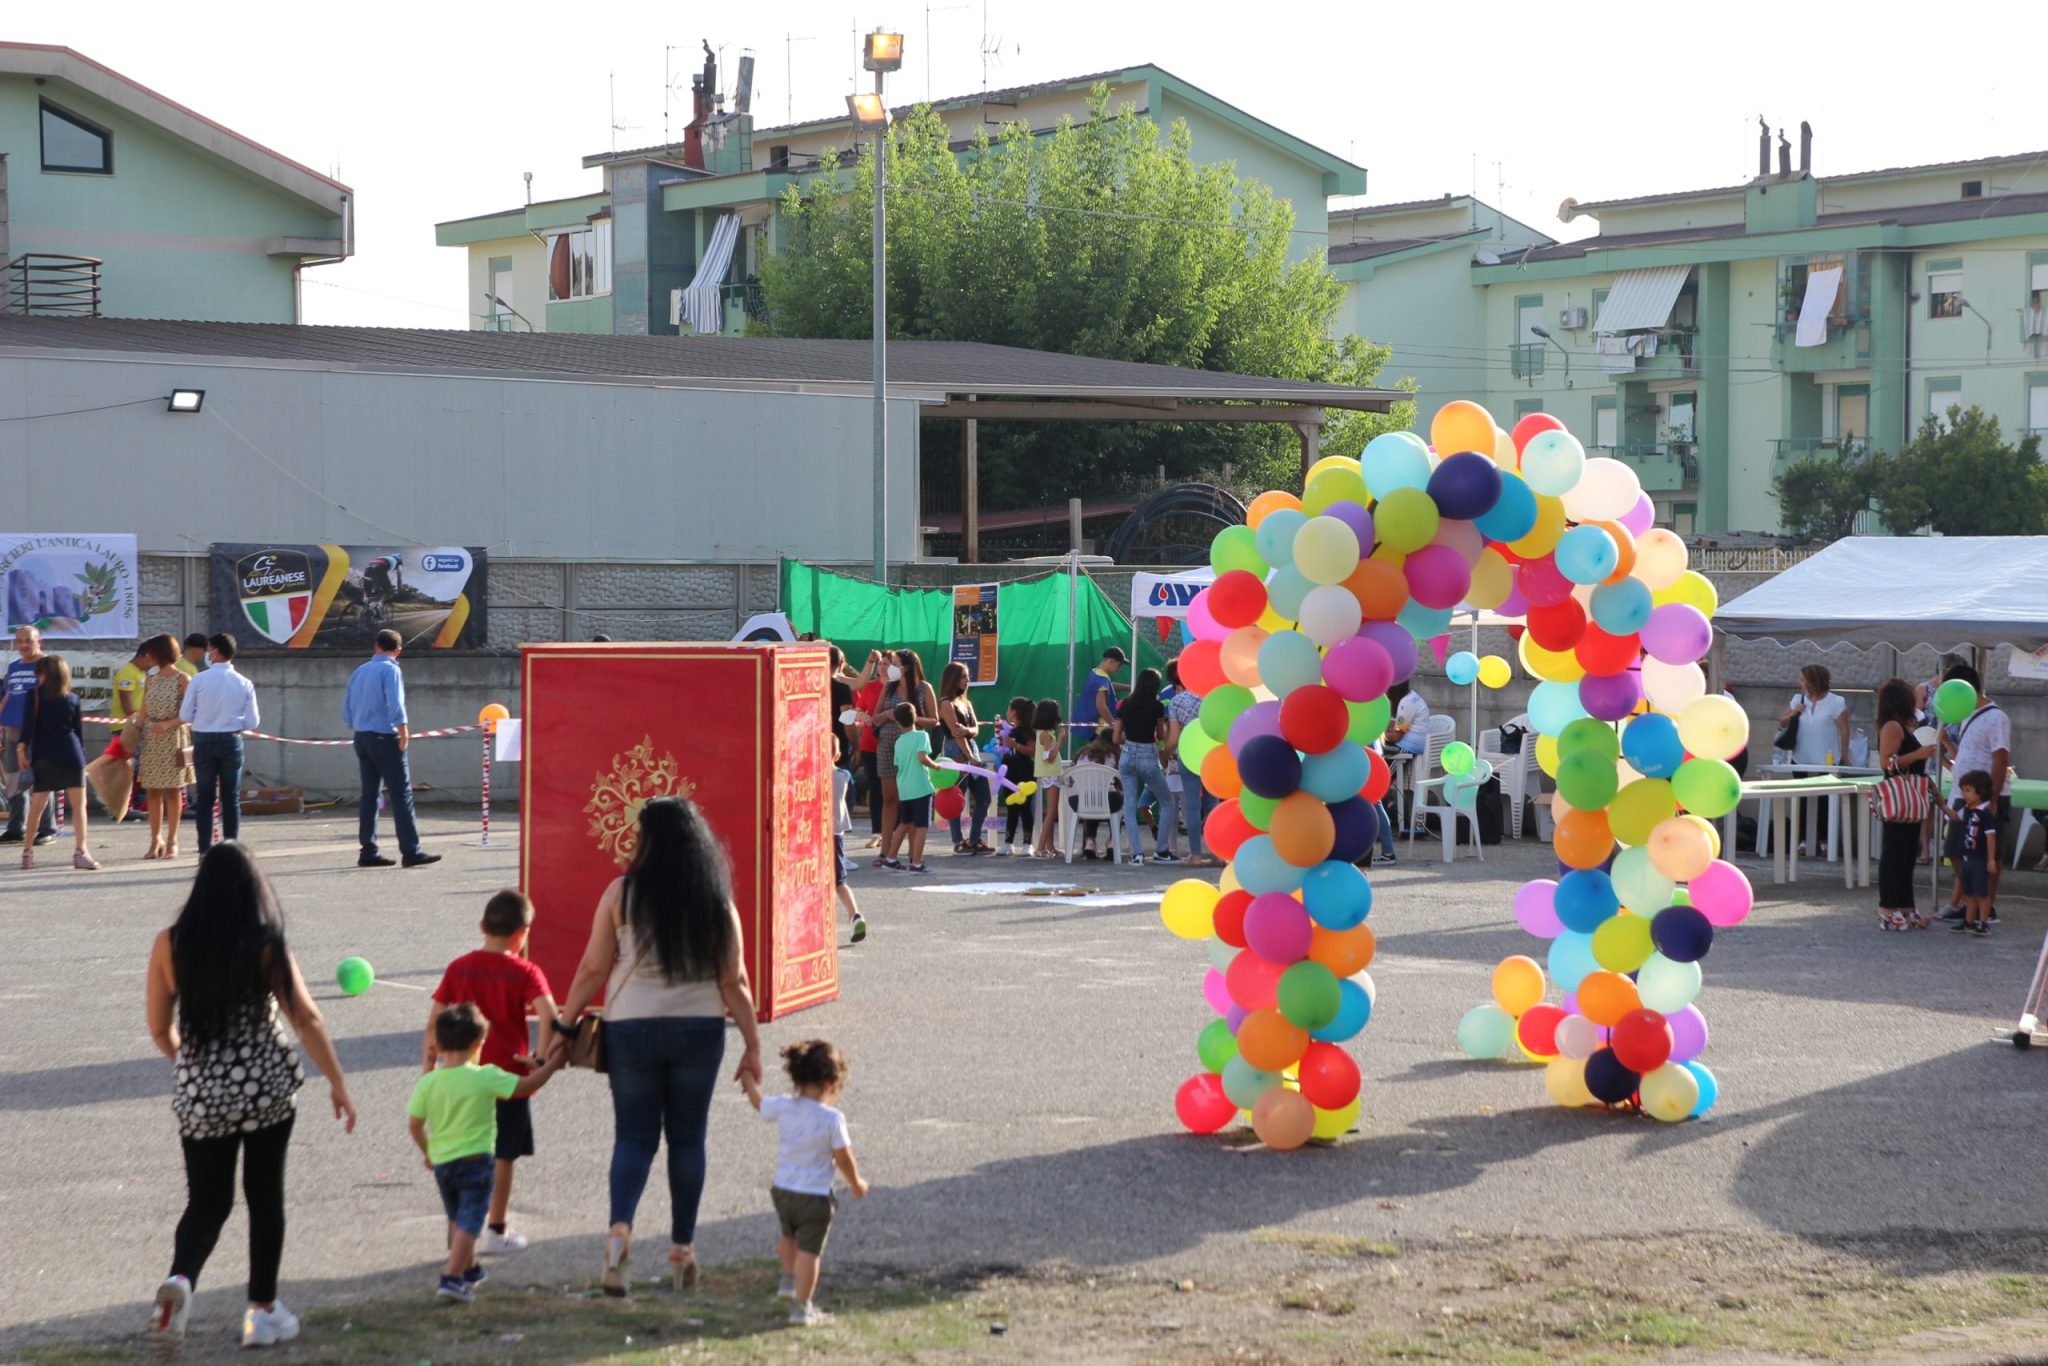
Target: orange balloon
x,y
1303,831
1517,984
1344,952
1268,1042
1625,543
1604,997
1462,425
1241,656
1380,587
1582,839
1219,774
1283,1119
1271,501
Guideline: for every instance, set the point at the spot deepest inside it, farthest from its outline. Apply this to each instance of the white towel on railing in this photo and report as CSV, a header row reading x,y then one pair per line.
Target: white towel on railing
x,y
1822,286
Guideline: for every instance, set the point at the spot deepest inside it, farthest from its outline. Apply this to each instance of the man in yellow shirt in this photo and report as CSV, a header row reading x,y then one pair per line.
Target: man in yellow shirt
x,y
194,657
111,773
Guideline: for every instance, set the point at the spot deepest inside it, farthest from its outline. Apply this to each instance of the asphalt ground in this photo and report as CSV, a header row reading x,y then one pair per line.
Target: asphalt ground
x,y
1014,1066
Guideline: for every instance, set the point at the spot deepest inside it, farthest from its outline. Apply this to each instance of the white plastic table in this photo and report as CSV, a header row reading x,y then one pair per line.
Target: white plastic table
x,y
1785,796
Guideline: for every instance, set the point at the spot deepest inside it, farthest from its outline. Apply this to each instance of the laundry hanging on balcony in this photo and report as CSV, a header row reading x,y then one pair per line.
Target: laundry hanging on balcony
x,y
1822,288
1641,300
1618,355
702,303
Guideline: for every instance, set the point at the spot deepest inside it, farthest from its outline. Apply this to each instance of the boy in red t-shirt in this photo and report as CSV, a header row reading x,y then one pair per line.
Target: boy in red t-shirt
x,y
502,984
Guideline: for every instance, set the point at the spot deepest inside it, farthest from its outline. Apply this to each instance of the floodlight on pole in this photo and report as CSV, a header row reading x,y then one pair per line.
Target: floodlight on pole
x,y
882,53
869,114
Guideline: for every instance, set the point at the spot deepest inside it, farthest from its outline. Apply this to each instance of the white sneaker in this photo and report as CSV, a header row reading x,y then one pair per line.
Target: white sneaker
x,y
268,1327
1004,851
786,1289
496,1244
167,1317
808,1315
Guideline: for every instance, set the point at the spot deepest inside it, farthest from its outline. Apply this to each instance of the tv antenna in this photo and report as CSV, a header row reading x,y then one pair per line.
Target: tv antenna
x,y
789,42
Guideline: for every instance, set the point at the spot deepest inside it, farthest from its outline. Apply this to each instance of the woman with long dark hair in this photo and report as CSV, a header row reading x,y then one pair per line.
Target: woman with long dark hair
x,y
665,947
218,981
1141,728
904,682
963,743
1898,751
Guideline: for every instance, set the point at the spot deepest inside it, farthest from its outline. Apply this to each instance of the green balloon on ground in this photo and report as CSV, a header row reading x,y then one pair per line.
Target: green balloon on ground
x,y
1258,810
354,976
1217,1045
1237,547
1588,779
1954,700
1368,720
1309,995
1457,757
1588,734
1707,787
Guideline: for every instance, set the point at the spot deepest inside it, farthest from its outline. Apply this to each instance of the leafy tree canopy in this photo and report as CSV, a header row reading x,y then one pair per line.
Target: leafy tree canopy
x,y
1957,477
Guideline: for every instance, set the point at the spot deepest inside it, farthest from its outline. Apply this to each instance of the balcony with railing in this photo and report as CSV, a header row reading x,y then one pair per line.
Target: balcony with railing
x,y
745,302
51,285
1790,450
1678,356
1525,360
1662,467
1847,344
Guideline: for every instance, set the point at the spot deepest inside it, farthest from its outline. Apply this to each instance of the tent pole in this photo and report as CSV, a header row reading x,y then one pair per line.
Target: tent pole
x,y
1474,689
1073,610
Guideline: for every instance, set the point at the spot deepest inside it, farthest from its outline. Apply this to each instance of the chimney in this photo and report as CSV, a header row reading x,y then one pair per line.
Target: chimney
x,y
1805,147
1784,156
703,95
1763,148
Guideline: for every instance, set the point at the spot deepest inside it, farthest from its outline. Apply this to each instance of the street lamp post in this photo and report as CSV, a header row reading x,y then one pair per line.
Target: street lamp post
x,y
882,54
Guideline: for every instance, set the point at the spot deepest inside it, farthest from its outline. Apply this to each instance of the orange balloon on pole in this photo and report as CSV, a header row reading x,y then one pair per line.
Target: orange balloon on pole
x,y
1267,503
1268,1042
491,714
1303,831
1345,953
1283,1119
1219,774
1604,997
1462,425
1583,839
1380,587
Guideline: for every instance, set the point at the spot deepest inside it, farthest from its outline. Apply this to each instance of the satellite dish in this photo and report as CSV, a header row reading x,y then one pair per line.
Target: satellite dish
x,y
1567,210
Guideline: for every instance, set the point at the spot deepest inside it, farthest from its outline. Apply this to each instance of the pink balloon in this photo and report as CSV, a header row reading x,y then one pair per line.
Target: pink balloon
x,y
1463,537
1539,581
1536,909
1216,992
1639,518
1277,928
1677,633
1688,1033
1359,669
1201,625
1722,894
1438,576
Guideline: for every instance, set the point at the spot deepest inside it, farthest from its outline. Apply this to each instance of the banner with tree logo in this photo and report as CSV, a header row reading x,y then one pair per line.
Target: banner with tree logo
x,y
81,586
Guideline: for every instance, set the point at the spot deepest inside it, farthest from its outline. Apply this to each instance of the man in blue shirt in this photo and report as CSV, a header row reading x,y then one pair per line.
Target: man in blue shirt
x,y
1097,706
21,681
374,709
219,705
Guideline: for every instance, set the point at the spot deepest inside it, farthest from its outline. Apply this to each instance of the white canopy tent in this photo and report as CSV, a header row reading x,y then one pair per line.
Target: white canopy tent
x,y
1946,591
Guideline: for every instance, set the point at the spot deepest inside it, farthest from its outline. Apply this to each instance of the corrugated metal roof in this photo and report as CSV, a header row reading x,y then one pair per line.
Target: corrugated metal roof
x,y
1366,251
1445,201
946,367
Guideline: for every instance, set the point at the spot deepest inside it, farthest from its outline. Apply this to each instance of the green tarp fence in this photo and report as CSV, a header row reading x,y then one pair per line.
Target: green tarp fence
x,y
1032,624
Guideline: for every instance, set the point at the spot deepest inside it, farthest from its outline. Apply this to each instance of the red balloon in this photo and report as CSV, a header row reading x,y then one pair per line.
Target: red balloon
x,y
1201,667
1539,582
1529,425
1558,627
1517,631
1537,1029
1314,719
1642,1040
949,804
1229,916
1329,1078
1226,828
1236,598
1254,983
1378,779
1601,653
1201,1104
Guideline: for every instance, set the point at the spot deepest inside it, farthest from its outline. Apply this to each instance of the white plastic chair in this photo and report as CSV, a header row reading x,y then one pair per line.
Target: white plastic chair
x,y
1520,777
1442,730
1090,785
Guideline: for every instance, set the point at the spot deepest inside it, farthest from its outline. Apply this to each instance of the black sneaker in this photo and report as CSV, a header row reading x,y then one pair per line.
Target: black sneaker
x,y
893,865
860,929
1981,929
376,861
1952,913
916,868
420,860
475,1276
10,837
42,840
1994,915
456,1289
1168,857
1958,926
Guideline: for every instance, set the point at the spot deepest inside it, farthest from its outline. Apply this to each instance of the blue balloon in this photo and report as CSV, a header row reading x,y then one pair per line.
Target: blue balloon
x,y
1513,516
1710,1090
1260,868
1622,609
1553,706
1289,659
1337,895
1269,766
1682,933
1358,825
1354,1012
1570,959
1585,554
1464,486
1275,536
1285,589
1244,1083
1424,623
1393,460
1336,776
1585,900
1462,668
1608,1080
1651,745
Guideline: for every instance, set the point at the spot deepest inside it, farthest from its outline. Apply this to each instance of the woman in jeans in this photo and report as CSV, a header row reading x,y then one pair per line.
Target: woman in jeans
x,y
963,744
218,980
1141,727
1898,751
665,946
904,675
1195,801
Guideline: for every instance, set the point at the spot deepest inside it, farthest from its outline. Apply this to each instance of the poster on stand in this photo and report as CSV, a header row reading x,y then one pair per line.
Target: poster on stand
x,y
337,597
974,632
70,585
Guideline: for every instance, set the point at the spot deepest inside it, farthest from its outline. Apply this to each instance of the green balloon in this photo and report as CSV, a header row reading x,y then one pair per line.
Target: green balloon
x,y
354,976
1954,700
1194,746
1217,1045
1223,706
1588,779
1338,484
1309,995
1237,547
1258,810
1486,1031
1622,943
1707,787
1458,757
1405,519
1368,720
1588,734
943,778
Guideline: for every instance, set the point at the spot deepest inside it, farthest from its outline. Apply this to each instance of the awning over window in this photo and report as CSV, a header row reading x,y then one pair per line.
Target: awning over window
x,y
1641,300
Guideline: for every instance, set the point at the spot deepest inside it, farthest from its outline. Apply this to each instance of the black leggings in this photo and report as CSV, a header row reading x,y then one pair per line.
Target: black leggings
x,y
1895,862
1016,817
871,773
210,1198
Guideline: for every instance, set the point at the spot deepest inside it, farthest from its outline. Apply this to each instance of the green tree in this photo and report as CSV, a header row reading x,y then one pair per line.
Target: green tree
x,y
1105,238
1819,499
1958,477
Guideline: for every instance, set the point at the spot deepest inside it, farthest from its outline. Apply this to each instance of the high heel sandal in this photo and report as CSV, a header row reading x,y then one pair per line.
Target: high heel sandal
x,y
616,1251
682,1269
155,850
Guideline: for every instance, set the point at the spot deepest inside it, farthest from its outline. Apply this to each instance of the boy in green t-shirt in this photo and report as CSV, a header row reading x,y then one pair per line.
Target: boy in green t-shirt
x,y
454,1120
914,790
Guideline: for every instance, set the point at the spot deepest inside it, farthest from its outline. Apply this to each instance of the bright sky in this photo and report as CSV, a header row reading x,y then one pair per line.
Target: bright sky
x,y
431,111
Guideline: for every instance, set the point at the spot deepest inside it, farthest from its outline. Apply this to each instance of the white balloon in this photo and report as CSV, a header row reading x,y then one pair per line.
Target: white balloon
x,y
1330,613
1607,488
1661,557
1577,1037
1672,687
1666,986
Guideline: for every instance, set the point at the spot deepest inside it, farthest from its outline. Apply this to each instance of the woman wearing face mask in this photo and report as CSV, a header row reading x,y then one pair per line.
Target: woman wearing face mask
x,y
905,683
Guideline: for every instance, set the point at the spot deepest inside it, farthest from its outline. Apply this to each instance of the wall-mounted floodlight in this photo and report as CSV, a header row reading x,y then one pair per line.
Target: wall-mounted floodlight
x,y
186,400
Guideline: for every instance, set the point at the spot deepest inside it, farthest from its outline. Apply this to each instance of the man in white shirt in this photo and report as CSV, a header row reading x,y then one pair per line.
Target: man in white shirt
x,y
1984,742
219,705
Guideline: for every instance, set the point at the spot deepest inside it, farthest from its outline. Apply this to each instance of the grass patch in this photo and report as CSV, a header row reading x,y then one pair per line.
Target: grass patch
x,y
1334,1246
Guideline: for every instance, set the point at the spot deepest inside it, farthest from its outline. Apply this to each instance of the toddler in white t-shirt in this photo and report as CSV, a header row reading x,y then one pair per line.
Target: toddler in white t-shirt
x,y
812,1143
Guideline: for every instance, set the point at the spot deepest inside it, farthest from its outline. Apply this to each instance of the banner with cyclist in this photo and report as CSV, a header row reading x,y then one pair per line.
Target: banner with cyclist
x,y
337,597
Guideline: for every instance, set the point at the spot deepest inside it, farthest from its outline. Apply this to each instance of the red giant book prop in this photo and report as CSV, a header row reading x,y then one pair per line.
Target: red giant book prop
x,y
742,730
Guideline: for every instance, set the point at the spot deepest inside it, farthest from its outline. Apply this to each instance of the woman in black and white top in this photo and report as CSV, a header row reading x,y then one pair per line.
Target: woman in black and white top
x,y
219,980
1142,727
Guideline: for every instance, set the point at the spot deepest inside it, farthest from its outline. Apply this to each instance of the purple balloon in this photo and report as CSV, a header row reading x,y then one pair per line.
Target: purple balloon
x,y
1677,633
1260,718
1688,1033
1277,928
1234,1017
1536,911
1465,485
1515,605
1355,516
1359,669
1609,697
1639,518
1395,640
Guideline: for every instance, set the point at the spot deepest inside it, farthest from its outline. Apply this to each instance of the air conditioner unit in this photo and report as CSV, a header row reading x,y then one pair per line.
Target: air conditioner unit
x,y
1571,319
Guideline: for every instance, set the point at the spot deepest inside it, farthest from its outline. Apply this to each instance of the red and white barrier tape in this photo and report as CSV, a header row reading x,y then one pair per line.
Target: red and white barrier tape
x,y
442,733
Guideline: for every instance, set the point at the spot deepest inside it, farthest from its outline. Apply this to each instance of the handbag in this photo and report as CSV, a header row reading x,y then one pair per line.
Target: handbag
x,y
1902,799
1788,738
586,1036
1511,738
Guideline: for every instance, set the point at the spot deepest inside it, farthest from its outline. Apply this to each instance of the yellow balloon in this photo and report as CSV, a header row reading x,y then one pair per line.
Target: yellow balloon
x,y
1552,666
1639,808
1517,984
1565,1080
1461,425
1546,754
1334,1124
1680,849
1623,943
1504,453
1326,550
1328,462
1494,672
1227,882
1661,557
1709,829
1670,1092
1271,621
1340,484
1549,529
1715,726
1394,557
1693,588
1492,581
1189,908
